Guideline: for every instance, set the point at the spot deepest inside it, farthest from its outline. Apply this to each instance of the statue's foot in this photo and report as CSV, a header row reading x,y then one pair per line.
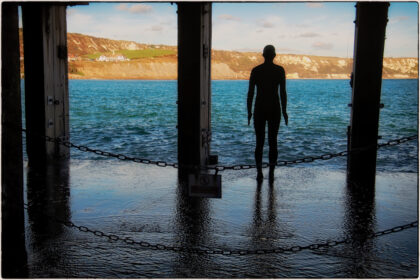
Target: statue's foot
x,y
260,176
271,175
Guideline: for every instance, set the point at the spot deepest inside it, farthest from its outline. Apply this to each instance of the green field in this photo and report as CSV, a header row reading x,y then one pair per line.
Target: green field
x,y
147,53
134,54
94,55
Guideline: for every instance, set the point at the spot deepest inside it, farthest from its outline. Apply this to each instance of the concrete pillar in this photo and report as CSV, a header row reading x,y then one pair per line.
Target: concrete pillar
x,y
14,257
194,56
46,79
371,20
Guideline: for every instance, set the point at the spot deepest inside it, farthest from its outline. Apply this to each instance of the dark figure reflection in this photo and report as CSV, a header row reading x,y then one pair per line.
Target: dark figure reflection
x,y
359,225
264,228
192,223
267,77
48,201
265,231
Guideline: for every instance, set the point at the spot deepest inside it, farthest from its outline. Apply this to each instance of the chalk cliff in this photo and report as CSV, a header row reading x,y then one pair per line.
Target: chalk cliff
x,y
160,62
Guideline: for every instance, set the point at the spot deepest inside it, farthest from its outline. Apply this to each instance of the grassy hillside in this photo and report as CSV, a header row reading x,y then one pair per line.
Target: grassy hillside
x,y
160,62
146,53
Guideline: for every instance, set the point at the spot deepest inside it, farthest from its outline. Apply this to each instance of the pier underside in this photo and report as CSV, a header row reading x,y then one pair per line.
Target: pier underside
x,y
113,219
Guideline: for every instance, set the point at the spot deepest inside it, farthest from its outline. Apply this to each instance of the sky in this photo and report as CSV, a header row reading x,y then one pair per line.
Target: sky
x,y
316,28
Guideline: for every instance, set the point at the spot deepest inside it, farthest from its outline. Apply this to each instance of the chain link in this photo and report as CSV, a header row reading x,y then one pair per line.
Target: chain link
x,y
293,249
225,252
314,158
240,252
397,141
218,168
109,154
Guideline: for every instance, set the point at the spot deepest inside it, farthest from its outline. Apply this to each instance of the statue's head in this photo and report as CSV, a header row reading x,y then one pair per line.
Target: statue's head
x,y
269,52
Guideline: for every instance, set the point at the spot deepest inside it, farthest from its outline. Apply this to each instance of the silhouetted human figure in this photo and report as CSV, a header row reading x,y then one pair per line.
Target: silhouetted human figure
x,y
267,77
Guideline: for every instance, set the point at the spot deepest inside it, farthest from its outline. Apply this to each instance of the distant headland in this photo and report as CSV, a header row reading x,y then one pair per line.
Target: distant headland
x,y
99,58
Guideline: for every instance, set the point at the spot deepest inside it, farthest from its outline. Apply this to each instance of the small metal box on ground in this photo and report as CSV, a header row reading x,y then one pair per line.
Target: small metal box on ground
x,y
205,185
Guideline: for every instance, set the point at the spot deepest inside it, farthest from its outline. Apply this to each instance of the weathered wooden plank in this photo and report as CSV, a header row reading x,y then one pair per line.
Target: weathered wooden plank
x,y
46,80
13,235
371,21
194,51
205,78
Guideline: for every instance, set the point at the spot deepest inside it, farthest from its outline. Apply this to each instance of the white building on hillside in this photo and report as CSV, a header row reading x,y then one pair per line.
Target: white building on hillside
x,y
112,58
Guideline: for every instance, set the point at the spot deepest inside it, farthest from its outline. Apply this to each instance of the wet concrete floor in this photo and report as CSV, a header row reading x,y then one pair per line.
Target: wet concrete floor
x,y
305,205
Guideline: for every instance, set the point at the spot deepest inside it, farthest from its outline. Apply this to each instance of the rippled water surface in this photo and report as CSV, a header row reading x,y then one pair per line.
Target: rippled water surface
x,y
139,118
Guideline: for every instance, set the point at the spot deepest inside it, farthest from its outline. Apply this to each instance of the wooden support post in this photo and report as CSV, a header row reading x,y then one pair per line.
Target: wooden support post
x,y
46,80
371,20
194,51
13,250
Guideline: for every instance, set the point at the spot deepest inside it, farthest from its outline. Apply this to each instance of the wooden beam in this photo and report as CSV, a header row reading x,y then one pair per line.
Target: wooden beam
x,y
46,80
371,21
194,51
14,258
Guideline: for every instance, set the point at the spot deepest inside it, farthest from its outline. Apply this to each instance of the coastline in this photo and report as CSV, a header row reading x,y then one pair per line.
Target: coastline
x,y
166,68
166,79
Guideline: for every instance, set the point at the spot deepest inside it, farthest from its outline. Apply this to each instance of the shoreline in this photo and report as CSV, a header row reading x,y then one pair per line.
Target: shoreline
x,y
163,79
157,79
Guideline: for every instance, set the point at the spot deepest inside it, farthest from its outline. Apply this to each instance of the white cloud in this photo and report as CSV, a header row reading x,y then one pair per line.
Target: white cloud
x,y
135,8
322,46
121,7
270,22
309,35
267,24
302,25
79,21
315,5
140,9
398,19
152,28
156,28
286,37
229,17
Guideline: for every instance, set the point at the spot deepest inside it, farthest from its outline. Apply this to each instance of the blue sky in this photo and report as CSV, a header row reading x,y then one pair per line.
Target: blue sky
x,y
322,28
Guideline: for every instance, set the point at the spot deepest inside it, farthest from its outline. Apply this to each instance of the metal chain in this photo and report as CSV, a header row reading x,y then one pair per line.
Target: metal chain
x,y
218,168
314,158
397,141
228,252
107,154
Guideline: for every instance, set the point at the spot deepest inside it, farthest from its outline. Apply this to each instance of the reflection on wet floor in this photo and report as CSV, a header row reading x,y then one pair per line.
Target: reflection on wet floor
x,y
48,197
359,224
303,206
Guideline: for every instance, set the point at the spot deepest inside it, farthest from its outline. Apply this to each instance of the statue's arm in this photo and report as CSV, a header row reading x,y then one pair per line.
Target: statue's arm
x,y
250,98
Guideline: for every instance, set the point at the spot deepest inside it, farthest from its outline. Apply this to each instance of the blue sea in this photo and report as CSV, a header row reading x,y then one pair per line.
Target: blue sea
x,y
139,118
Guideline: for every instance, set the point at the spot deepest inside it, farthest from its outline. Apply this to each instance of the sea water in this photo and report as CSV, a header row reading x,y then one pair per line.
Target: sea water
x,y
139,118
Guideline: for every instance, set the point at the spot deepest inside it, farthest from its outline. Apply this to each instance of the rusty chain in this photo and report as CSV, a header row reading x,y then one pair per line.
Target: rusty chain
x,y
218,168
228,252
